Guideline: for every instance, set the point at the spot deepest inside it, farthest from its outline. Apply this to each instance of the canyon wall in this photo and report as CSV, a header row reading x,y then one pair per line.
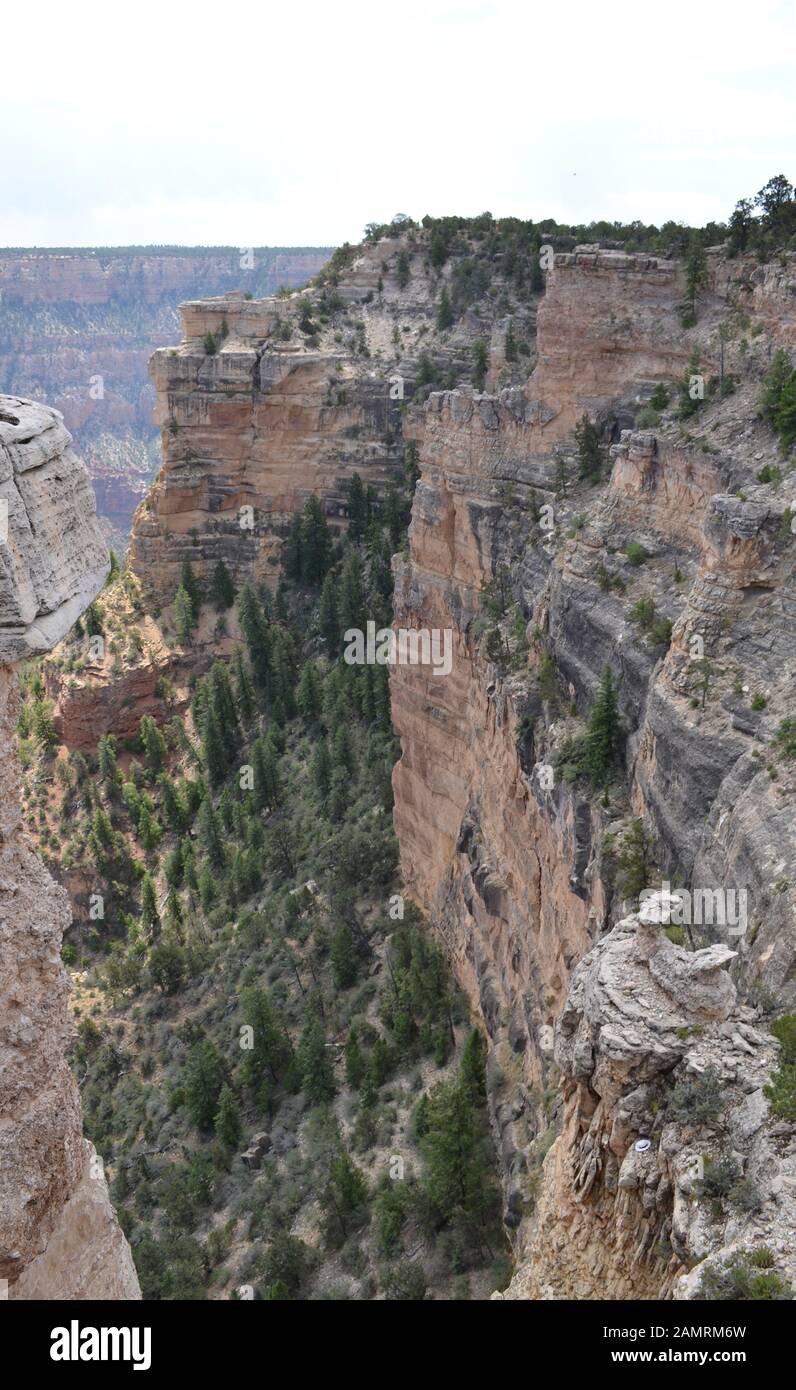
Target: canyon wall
x,y
59,1237
517,874
77,328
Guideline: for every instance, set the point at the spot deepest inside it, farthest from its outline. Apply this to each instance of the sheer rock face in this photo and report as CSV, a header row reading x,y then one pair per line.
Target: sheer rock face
x,y
59,1236
511,870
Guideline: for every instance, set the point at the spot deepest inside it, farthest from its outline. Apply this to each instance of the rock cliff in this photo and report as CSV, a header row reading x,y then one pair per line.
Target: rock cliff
x,y
514,861
59,1237
267,401
77,327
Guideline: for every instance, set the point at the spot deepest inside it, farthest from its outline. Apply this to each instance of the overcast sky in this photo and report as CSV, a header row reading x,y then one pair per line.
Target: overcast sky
x,y
254,124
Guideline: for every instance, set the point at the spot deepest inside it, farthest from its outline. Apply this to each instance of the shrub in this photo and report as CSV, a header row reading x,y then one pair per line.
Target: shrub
x,y
697,1100
636,553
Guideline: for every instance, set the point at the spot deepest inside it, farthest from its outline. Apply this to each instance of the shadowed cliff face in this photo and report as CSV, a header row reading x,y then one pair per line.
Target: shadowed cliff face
x,y
516,873
59,1237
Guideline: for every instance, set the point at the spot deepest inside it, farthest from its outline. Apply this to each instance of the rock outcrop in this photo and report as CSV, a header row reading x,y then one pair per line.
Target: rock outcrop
x,y
77,327
59,1237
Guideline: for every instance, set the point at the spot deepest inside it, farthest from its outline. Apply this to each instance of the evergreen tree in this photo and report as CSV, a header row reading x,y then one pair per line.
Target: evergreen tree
x,y
183,616
402,270
455,1175
473,1066
190,584
149,903
210,837
343,958
510,348
222,592
174,813
309,695
696,272
321,768
106,757
213,753
480,363
293,551
154,743
228,1124
255,627
244,690
267,786
317,542
271,1050
357,508
351,598
355,1064
203,1079
328,617
317,1077
444,312
590,453
603,737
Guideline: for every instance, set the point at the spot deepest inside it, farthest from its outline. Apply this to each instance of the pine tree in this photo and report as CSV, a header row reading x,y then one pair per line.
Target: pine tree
x,y
210,837
402,270
689,399
256,630
357,509
480,363
154,743
510,348
472,1069
203,1079
317,542
190,584
603,737
293,551
354,1061
309,695
317,1077
321,768
222,591
183,616
174,813
213,753
106,757
590,453
149,904
228,1124
271,1049
343,958
328,616
351,598
244,690
444,312
267,785
696,273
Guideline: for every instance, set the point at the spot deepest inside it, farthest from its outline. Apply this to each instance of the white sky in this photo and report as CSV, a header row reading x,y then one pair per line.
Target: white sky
x,y
297,123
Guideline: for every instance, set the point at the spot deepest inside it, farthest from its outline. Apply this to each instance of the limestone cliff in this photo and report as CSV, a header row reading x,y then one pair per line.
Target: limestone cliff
x,y
59,1237
518,875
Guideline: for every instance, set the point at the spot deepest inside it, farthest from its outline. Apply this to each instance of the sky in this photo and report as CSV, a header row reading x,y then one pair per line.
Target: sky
x,y
297,124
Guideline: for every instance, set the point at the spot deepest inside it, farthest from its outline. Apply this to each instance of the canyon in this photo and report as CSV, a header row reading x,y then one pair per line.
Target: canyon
x,y
77,328
599,1020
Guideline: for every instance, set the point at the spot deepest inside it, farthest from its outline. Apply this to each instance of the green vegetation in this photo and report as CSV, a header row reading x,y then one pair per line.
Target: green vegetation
x,y
778,405
781,1090
591,456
